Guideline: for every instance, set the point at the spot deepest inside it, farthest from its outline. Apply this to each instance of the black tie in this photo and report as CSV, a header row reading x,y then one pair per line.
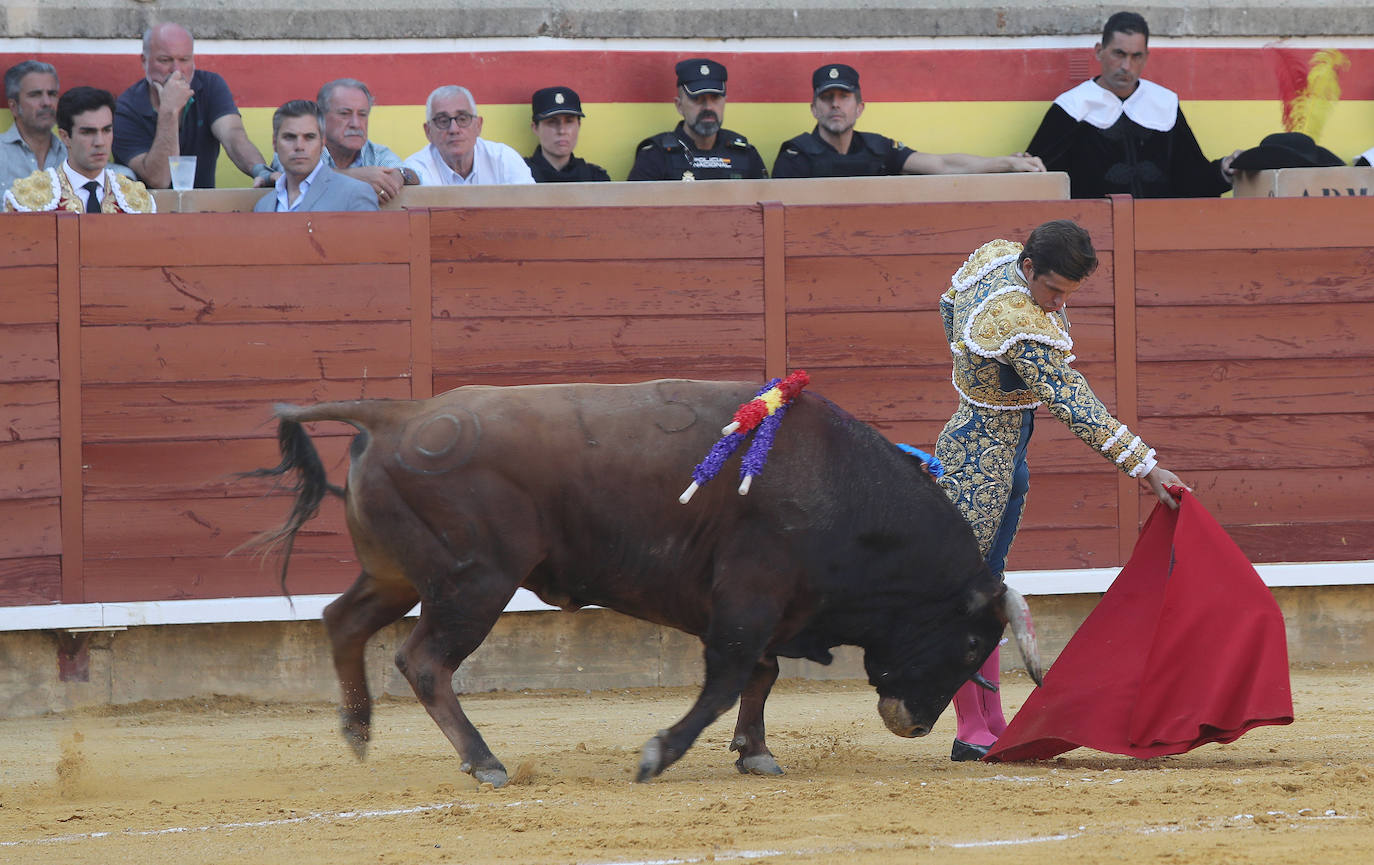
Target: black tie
x,y
92,200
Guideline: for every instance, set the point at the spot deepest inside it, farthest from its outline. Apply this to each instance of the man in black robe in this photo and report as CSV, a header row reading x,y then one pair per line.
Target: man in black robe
x,y
1119,133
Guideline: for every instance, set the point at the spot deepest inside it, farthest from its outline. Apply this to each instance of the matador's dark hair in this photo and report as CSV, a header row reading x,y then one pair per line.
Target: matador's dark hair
x,y
1063,247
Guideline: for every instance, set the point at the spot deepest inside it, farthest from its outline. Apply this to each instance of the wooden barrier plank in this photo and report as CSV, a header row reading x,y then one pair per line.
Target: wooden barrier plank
x,y
1295,497
592,234
33,527
181,239
245,352
1328,330
24,582
28,239
897,338
1324,542
1071,500
420,284
831,283
211,410
1272,442
30,294
752,371
245,293
1252,223
1054,548
682,346
1232,277
500,289
182,527
30,469
30,352
28,410
188,469
954,228
1251,387
193,578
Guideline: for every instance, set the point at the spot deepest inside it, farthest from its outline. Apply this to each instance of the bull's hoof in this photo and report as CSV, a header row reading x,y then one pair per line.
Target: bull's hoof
x,y
493,775
758,764
357,736
651,763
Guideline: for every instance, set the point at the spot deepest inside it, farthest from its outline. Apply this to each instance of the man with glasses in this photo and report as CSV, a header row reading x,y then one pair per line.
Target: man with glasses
x,y
457,155
699,148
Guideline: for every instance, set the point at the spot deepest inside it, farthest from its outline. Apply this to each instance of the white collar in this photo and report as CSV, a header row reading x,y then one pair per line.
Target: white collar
x,y
1151,105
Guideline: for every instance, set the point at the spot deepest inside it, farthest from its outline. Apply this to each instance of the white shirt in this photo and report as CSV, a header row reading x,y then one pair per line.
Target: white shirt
x,y
78,181
282,205
492,162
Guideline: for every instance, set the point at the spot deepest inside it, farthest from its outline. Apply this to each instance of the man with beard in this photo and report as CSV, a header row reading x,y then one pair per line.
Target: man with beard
x,y
835,149
557,122
30,144
699,148
1119,133
457,155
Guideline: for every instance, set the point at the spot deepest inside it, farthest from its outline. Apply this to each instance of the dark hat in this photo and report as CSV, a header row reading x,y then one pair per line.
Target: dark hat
x,y
835,75
1286,150
700,75
555,100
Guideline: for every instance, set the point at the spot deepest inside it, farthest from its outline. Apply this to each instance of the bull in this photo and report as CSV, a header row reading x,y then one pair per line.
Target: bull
x,y
571,491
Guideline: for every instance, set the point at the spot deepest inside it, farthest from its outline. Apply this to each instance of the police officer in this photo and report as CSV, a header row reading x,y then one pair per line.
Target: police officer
x,y
835,149
557,123
699,148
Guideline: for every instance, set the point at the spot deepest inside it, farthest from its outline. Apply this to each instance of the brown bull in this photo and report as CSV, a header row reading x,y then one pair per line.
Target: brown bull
x,y
572,492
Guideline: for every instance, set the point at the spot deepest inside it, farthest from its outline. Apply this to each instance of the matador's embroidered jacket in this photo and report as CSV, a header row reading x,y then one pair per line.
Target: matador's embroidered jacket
x,y
1010,356
49,189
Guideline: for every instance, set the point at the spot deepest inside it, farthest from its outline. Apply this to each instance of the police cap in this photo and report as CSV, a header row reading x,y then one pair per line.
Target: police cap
x,y
701,75
555,100
835,75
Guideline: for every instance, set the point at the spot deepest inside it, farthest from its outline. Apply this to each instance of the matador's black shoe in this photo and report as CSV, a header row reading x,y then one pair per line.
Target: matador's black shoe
x,y
965,751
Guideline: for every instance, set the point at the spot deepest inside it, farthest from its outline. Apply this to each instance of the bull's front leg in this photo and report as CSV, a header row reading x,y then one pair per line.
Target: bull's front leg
x,y
734,648
350,620
754,756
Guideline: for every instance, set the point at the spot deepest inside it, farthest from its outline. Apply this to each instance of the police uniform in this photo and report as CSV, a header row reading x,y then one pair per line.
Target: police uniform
x,y
869,154
673,155
546,103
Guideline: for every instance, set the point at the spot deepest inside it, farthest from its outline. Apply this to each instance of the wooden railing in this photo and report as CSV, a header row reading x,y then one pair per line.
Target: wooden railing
x,y
142,354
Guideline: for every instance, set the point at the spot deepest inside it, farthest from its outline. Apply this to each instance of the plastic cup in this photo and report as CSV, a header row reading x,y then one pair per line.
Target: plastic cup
x,y
183,171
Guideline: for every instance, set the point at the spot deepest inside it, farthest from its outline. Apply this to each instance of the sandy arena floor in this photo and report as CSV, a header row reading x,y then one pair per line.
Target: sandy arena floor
x,y
233,782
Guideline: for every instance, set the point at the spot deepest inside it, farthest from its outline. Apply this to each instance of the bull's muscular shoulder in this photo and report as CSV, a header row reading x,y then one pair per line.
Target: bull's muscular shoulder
x,y
1009,315
984,260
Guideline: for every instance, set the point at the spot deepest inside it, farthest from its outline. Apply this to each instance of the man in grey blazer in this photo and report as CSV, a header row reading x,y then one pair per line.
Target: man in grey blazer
x,y
306,183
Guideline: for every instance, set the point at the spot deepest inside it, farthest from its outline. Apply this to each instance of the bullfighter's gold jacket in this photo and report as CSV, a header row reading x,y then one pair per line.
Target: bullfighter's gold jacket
x,y
1009,356
49,189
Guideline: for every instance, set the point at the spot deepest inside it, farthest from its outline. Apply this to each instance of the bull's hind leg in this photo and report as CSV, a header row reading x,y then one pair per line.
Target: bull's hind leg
x,y
754,756
450,629
350,620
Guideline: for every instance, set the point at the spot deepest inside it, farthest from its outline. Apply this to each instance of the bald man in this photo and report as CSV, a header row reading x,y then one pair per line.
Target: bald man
x,y
178,110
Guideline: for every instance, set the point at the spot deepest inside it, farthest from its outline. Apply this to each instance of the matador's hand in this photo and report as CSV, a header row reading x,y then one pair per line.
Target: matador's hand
x,y
1159,480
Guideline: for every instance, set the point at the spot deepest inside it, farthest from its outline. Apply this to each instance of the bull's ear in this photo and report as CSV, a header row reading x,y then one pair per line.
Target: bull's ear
x,y
978,600
1015,612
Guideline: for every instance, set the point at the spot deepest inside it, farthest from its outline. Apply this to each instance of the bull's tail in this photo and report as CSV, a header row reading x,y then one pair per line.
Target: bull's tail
x,y
298,454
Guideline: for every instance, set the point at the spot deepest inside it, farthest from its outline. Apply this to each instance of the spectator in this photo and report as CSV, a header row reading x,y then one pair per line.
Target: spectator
x,y
457,155
83,183
557,123
1119,133
835,149
178,110
347,105
306,183
699,148
30,143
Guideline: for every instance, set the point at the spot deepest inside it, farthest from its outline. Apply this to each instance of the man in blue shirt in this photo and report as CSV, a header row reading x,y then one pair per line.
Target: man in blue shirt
x,y
178,110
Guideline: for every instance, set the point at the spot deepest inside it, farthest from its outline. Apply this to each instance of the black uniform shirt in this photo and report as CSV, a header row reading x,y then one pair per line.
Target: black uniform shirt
x,y
576,171
672,156
870,154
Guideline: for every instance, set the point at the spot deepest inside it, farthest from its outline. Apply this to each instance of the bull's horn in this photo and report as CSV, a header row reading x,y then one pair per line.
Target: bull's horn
x,y
981,681
1019,618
